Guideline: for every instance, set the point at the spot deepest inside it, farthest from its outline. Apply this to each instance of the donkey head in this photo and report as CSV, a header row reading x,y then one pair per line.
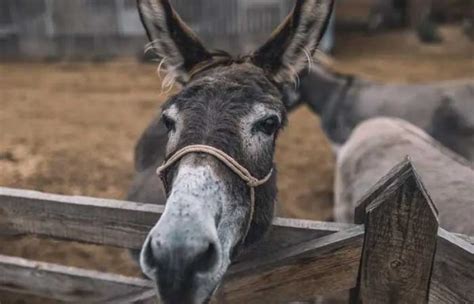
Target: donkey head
x,y
236,105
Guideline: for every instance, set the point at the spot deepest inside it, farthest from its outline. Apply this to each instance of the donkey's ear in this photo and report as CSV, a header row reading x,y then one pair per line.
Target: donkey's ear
x,y
294,42
172,40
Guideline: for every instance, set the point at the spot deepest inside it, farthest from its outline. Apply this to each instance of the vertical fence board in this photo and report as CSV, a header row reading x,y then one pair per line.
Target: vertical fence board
x,y
400,243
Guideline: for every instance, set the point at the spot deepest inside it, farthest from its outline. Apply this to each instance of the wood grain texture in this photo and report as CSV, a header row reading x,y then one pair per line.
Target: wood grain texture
x,y
324,265
466,238
315,267
395,174
71,284
400,242
121,223
76,218
452,279
285,233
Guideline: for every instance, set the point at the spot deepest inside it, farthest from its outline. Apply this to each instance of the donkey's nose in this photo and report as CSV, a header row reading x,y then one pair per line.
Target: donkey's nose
x,y
178,257
189,254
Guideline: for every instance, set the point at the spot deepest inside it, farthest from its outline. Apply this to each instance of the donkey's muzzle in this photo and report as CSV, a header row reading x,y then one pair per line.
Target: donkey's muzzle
x,y
177,258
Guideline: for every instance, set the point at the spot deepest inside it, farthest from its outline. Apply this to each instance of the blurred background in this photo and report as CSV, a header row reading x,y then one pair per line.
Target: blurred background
x,y
76,91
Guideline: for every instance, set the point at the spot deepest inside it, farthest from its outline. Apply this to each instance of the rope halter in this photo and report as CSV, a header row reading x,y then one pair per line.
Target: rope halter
x,y
244,174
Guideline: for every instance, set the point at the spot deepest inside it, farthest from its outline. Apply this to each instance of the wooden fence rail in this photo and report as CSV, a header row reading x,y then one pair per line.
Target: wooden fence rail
x,y
396,254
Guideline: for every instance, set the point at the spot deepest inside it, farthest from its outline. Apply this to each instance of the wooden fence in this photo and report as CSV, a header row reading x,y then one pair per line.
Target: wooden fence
x,y
395,253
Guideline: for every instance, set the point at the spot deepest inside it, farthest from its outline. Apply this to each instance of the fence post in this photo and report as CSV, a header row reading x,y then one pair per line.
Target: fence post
x,y
400,240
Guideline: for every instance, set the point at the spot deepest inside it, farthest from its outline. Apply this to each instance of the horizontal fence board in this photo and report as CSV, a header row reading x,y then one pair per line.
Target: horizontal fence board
x,y
84,219
121,223
289,232
70,284
452,279
466,238
125,224
326,264
319,266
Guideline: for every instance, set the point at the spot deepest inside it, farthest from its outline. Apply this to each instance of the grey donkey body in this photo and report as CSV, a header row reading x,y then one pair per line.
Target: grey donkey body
x,y
379,144
445,110
236,105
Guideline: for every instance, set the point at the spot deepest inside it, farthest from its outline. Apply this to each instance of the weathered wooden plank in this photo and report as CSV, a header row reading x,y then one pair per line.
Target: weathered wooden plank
x,y
119,223
452,279
84,219
300,272
327,264
71,284
285,233
400,243
395,174
466,238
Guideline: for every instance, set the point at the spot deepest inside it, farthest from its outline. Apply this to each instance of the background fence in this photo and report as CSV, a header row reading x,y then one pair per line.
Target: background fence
x,y
106,28
91,28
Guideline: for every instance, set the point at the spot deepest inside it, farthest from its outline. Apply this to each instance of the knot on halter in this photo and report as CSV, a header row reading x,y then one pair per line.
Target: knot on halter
x,y
227,160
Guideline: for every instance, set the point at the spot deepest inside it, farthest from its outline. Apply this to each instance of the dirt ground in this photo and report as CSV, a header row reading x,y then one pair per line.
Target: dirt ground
x,y
70,128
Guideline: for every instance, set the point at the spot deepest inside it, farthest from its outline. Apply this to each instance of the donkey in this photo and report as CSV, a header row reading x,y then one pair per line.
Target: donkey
x,y
217,138
445,110
377,145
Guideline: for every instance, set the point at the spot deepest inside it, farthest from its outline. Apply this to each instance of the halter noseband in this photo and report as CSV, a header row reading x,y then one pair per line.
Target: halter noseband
x,y
244,174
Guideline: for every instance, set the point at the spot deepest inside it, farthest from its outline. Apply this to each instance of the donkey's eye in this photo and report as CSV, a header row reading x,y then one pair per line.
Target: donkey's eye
x,y
169,123
268,125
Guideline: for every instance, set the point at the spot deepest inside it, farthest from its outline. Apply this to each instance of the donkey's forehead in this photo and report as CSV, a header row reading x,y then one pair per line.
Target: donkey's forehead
x,y
239,73
236,85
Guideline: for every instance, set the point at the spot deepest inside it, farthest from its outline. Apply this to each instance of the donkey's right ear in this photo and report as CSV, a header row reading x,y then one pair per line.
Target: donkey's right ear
x,y
292,45
171,39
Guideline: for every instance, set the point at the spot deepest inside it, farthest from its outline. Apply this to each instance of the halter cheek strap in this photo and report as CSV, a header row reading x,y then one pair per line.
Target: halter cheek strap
x,y
251,181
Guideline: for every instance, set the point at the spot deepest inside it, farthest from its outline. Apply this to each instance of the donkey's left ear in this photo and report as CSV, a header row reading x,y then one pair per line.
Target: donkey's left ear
x,y
292,45
172,40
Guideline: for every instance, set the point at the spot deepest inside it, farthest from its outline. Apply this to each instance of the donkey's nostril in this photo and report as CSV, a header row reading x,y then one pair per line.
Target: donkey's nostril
x,y
207,259
175,256
155,244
